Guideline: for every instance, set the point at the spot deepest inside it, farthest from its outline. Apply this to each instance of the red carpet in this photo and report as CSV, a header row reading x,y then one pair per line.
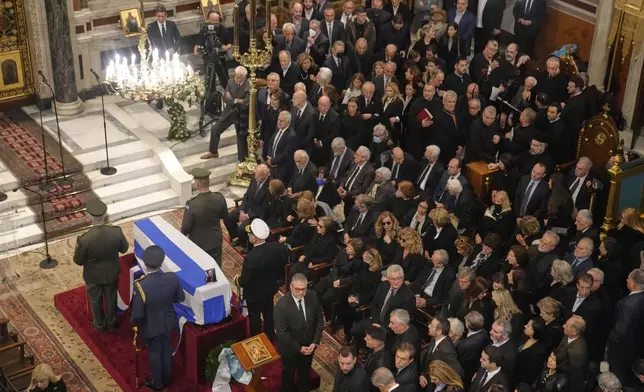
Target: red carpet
x,y
116,353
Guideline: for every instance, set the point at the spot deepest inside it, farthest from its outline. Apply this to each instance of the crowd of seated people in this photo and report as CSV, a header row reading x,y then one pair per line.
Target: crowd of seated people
x,y
366,138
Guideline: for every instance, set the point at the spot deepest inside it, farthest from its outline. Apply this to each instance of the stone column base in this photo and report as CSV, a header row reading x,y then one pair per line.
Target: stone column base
x,y
69,109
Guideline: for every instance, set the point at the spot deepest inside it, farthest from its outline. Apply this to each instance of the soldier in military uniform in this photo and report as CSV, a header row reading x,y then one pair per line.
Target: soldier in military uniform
x,y
262,272
98,252
153,313
203,214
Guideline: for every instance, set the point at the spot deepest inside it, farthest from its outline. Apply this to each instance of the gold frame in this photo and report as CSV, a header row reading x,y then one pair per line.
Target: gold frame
x,y
616,178
257,352
205,8
17,59
123,17
21,46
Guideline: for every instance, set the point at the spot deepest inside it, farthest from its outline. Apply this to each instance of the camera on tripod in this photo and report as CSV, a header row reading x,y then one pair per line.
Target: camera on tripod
x,y
212,47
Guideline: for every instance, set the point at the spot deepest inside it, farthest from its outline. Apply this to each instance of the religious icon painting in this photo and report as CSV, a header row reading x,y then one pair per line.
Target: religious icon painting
x,y
131,21
256,350
211,5
11,76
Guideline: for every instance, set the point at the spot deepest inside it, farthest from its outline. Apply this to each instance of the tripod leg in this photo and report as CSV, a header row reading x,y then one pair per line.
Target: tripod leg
x,y
205,104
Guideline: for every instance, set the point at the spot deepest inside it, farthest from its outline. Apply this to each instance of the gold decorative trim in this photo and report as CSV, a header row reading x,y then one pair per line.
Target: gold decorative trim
x,y
21,45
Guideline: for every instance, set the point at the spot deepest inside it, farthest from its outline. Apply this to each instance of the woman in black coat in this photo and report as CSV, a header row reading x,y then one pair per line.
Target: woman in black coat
x,y
327,191
387,229
303,226
43,379
449,47
404,200
506,178
531,353
549,309
362,291
560,204
307,69
611,262
277,206
352,126
630,229
392,107
412,259
499,218
277,103
441,234
553,376
418,220
322,248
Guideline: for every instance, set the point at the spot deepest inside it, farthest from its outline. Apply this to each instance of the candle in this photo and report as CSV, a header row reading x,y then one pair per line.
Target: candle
x,y
253,13
236,27
167,55
268,21
133,58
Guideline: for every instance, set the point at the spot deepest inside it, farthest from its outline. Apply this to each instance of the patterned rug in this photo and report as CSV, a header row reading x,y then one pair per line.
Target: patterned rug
x,y
22,152
29,300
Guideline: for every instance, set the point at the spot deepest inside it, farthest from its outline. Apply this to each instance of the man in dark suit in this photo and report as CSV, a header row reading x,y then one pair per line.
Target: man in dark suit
x,y
580,302
434,283
317,44
405,365
281,147
330,27
382,190
251,206
304,177
357,179
298,324
580,183
540,259
464,208
453,171
326,123
402,165
485,136
395,8
379,18
302,114
500,334
458,80
485,259
605,321
375,338
97,251
469,348
553,82
583,229
528,17
397,34
384,381
263,267
440,348
361,58
153,312
341,159
447,132
491,371
361,220
370,108
488,23
532,194
403,333
431,170
340,66
580,259
163,34
381,81
575,112
574,345
300,24
235,113
466,21
392,294
289,41
288,71
624,342
352,376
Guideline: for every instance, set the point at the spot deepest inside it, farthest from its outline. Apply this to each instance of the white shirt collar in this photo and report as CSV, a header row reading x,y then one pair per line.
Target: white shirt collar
x,y
493,373
472,333
393,387
636,292
438,341
570,340
501,343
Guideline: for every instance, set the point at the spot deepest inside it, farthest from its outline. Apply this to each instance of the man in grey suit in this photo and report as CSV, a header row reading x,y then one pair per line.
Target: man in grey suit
x,y
298,324
574,345
357,179
98,252
237,100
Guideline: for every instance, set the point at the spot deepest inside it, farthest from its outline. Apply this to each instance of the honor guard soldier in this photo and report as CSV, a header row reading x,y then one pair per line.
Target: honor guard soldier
x,y
98,252
203,214
262,275
153,313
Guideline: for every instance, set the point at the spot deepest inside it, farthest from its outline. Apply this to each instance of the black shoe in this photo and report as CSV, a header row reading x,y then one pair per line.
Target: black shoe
x,y
98,329
150,384
235,242
160,104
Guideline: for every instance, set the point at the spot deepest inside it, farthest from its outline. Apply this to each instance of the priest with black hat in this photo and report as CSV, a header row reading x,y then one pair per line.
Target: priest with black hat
x,y
537,153
98,252
203,215
153,313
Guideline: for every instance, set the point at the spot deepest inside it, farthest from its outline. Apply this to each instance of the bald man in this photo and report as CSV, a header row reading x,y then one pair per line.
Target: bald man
x,y
403,166
326,123
302,114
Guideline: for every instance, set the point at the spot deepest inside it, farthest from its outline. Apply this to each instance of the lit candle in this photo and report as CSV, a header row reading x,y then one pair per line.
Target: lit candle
x,y
167,55
253,11
236,27
155,55
190,71
268,21
133,58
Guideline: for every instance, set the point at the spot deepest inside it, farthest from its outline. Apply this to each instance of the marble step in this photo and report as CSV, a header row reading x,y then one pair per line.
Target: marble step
x,y
125,172
220,174
119,155
8,181
111,194
199,145
227,155
148,202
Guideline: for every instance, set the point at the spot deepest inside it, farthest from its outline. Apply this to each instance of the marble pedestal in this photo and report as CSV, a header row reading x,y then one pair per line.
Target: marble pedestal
x,y
68,109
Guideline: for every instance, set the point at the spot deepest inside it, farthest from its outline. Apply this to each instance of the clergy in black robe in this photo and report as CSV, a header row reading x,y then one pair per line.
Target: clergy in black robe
x,y
518,141
445,132
574,113
486,71
485,138
361,58
554,127
553,83
419,131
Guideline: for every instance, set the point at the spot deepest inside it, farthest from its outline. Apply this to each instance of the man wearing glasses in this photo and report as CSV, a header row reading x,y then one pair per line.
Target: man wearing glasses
x,y
298,324
580,260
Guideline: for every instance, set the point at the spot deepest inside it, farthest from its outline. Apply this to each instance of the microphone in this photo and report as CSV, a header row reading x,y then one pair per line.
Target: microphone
x,y
44,79
95,74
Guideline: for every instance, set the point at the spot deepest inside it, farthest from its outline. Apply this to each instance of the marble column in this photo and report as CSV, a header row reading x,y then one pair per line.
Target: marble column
x,y
600,52
633,84
62,58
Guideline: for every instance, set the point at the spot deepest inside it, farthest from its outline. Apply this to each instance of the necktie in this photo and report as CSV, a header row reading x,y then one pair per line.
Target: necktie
x,y
367,102
574,186
321,117
429,280
395,169
358,221
528,5
301,309
259,186
288,45
329,28
334,166
352,178
299,114
483,380
163,30
575,263
526,199
277,141
423,177
390,294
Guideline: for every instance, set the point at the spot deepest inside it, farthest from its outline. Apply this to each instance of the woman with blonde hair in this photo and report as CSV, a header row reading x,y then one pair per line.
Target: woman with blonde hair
x,y
464,248
441,234
562,279
498,219
630,229
43,379
322,248
412,259
387,228
549,309
529,228
507,309
378,69
355,88
308,70
392,107
443,377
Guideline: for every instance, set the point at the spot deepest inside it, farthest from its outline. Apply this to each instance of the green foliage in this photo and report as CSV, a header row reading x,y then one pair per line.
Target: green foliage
x,y
178,122
212,362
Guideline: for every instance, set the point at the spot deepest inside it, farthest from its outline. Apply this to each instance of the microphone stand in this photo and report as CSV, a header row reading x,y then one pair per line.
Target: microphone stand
x,y
46,186
48,262
107,170
65,180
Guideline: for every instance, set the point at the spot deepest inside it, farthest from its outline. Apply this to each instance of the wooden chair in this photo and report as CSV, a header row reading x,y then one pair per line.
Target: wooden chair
x,y
5,383
15,361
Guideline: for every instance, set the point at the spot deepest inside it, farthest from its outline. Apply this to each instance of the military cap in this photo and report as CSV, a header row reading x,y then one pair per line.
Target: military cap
x,y
200,173
153,256
259,229
95,207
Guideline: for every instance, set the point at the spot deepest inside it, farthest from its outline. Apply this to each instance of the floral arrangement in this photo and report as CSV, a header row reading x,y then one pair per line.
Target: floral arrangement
x,y
212,361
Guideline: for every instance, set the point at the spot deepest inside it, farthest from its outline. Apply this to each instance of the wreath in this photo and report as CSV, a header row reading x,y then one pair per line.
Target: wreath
x,y
212,362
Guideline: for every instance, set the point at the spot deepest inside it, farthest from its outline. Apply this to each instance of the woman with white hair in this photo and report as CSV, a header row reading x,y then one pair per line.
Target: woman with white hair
x,y
43,379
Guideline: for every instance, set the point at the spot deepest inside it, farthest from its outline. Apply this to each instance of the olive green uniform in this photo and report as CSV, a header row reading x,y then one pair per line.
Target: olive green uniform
x,y
202,222
98,252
